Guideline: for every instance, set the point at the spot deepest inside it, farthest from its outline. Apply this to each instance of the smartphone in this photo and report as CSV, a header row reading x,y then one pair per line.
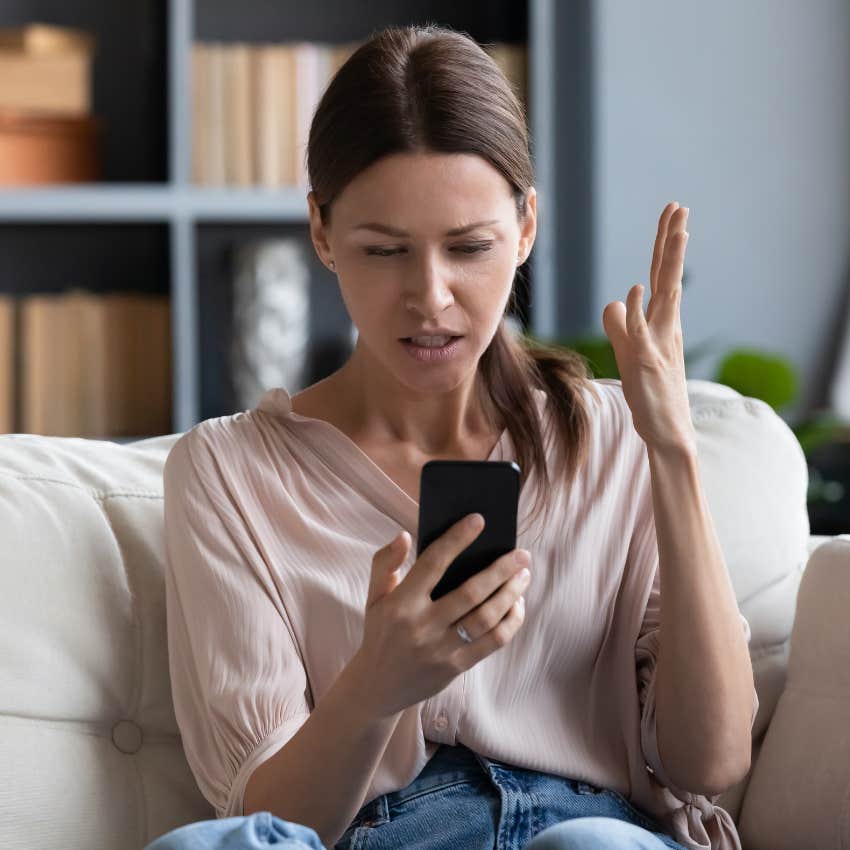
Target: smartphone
x,y
451,489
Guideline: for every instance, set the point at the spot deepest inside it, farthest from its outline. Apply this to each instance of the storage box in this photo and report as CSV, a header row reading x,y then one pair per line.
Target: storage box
x,y
44,148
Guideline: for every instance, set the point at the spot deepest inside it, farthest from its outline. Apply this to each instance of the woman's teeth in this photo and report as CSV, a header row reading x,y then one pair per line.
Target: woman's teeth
x,y
430,341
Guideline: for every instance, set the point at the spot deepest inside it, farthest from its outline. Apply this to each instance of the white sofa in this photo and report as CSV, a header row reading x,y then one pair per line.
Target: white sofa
x,y
90,753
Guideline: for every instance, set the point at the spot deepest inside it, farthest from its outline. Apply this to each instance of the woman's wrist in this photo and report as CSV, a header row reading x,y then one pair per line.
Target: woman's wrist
x,y
362,693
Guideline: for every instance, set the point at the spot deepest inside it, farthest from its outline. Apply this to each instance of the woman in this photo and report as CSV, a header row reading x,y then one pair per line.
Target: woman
x,y
324,703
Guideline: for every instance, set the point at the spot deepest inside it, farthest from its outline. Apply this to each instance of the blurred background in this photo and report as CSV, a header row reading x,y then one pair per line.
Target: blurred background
x,y
157,268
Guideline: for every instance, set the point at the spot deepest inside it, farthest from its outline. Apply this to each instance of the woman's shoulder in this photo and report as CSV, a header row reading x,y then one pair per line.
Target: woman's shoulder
x,y
601,395
609,387
611,401
225,441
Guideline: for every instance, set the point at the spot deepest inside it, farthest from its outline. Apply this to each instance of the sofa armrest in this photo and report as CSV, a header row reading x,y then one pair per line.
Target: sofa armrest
x,y
797,794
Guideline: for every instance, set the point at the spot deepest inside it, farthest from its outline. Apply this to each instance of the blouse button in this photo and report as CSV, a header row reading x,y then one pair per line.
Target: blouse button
x,y
442,722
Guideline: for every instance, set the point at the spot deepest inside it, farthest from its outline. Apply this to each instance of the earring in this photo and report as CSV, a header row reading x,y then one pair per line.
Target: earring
x,y
333,266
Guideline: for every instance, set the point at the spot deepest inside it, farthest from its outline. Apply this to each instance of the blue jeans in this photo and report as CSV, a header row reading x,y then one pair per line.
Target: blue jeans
x,y
460,800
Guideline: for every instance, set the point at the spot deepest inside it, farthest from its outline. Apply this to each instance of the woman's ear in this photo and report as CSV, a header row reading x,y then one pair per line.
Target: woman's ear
x,y
529,224
318,233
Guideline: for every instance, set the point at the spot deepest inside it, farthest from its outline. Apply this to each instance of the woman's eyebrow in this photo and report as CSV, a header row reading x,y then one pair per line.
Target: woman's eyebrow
x,y
394,231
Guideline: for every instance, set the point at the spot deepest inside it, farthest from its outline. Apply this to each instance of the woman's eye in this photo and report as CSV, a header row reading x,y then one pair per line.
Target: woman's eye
x,y
464,249
474,249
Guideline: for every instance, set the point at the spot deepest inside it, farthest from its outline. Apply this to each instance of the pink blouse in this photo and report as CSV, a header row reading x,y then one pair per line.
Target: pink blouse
x,y
271,521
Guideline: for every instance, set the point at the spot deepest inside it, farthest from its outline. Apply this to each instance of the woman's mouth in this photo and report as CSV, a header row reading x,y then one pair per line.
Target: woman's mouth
x,y
432,349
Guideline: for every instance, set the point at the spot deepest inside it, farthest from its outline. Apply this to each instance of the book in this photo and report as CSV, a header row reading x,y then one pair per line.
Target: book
x,y
253,105
214,152
199,92
264,130
308,75
55,378
8,419
86,314
137,382
239,168
43,367
283,68
151,404
95,366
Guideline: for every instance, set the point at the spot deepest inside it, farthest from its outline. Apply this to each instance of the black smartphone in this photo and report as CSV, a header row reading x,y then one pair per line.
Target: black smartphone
x,y
451,489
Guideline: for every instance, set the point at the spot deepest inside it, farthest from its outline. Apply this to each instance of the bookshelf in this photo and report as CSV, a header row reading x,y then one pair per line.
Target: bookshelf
x,y
189,223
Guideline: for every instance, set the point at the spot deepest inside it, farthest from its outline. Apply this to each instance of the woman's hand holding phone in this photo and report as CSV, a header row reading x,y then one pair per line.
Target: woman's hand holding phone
x,y
411,648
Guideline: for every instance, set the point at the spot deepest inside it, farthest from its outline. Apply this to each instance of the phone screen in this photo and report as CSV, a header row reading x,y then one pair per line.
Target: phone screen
x,y
451,489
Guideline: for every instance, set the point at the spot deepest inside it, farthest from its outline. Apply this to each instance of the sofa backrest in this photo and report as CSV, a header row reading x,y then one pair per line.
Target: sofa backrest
x,y
87,728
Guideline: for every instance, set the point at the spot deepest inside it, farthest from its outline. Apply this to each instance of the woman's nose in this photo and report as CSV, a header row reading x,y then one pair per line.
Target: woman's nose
x,y
429,291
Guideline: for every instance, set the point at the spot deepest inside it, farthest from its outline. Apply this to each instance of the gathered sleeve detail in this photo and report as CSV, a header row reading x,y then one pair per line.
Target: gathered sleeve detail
x,y
238,681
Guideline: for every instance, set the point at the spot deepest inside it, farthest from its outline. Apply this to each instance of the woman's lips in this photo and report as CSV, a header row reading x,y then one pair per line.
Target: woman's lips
x,y
432,354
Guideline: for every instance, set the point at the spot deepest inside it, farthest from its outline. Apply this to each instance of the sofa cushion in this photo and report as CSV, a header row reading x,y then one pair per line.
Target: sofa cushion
x,y
92,755
799,792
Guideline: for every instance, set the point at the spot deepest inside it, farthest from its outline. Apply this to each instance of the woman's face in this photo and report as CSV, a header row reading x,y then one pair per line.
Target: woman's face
x,y
405,271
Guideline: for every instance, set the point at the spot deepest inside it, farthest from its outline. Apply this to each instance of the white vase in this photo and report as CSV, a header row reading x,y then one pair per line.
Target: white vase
x,y
271,318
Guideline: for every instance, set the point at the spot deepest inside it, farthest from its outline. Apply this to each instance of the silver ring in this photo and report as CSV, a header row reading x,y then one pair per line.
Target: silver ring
x,y
464,634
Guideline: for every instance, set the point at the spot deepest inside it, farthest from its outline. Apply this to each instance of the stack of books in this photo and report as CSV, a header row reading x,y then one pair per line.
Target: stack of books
x,y
80,364
252,105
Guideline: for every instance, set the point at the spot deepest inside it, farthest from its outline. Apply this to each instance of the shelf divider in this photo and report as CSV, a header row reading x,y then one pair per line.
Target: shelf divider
x,y
152,202
180,33
543,40
186,357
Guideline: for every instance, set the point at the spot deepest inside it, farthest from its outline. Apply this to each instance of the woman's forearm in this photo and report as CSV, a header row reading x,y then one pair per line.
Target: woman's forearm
x,y
320,777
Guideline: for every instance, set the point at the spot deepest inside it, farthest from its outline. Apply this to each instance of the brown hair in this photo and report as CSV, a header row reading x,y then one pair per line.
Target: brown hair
x,y
427,88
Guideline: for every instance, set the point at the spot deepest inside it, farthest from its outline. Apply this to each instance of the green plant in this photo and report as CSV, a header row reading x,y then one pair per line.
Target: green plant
x,y
758,374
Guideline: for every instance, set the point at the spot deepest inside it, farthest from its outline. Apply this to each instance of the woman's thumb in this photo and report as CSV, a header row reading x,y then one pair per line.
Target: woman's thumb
x,y
385,566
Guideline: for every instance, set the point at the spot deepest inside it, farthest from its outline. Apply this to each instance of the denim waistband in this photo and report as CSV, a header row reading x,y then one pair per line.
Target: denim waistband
x,y
451,764
448,764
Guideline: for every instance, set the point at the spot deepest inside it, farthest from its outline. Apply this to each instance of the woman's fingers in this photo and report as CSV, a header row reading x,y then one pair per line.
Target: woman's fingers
x,y
660,244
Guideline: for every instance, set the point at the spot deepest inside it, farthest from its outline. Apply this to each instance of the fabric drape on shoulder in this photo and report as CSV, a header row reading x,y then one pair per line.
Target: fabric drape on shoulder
x,y
238,682
645,548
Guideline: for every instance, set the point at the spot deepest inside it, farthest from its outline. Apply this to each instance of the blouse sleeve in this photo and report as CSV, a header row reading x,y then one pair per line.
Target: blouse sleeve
x,y
238,683
646,651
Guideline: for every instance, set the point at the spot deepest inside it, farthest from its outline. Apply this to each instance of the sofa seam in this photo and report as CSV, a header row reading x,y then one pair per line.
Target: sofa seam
x,y
770,648
136,701
142,823
139,679
89,727
97,494
775,582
